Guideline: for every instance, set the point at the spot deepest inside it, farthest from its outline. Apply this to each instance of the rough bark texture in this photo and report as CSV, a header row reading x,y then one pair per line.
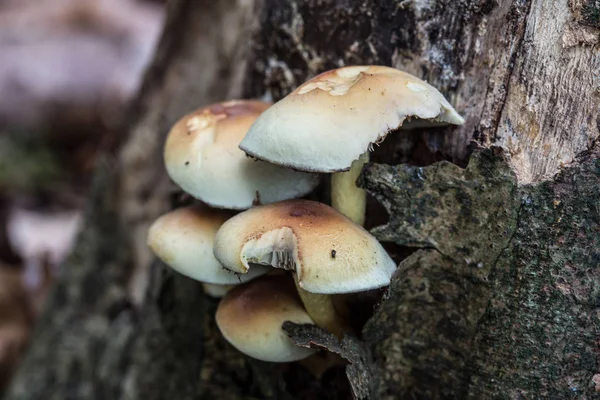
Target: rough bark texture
x,y
509,66
422,334
100,337
501,300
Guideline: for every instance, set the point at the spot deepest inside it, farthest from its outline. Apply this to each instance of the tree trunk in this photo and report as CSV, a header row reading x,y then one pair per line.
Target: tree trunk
x,y
101,336
500,301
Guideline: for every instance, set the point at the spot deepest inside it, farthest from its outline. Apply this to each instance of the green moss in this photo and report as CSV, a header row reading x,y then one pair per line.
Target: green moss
x,y
26,163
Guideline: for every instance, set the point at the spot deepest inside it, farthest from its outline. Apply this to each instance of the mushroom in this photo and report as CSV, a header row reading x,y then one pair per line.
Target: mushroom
x,y
183,239
216,291
330,123
202,156
251,316
325,250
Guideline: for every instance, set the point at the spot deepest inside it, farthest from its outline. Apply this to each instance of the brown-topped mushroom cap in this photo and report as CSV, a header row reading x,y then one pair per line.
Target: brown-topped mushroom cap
x,y
328,252
250,317
202,156
330,120
184,238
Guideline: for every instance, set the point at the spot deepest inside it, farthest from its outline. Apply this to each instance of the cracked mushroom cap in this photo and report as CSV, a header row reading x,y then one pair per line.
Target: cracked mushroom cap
x,y
184,238
330,120
328,252
202,157
250,317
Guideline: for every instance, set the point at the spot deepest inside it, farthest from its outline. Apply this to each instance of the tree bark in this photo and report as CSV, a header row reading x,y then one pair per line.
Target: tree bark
x,y
101,336
500,300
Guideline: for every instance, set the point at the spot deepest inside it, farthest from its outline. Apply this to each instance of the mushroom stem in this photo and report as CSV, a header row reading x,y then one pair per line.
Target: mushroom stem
x,y
215,290
321,310
346,197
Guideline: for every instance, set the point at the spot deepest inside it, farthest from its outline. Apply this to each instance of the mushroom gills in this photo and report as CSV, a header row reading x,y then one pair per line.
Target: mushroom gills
x,y
276,248
412,122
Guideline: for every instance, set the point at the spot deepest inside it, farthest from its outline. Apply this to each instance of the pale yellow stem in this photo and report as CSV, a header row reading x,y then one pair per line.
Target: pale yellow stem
x,y
215,290
346,197
321,310
351,201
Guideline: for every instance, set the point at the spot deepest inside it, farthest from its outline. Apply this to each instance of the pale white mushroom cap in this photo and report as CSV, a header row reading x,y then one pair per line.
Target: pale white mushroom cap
x,y
251,316
202,157
328,252
184,238
330,120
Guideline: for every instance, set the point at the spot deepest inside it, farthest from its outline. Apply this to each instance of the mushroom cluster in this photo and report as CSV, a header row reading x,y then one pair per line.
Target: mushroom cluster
x,y
284,257
202,157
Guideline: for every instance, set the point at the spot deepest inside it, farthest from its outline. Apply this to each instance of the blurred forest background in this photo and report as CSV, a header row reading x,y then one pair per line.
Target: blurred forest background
x,y
68,69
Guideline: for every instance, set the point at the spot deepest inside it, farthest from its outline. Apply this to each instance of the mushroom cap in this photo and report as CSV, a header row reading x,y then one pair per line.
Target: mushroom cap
x,y
250,317
330,120
328,252
184,238
202,156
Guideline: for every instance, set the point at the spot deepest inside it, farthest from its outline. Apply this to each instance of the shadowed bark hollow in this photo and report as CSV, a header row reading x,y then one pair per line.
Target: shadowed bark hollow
x,y
499,301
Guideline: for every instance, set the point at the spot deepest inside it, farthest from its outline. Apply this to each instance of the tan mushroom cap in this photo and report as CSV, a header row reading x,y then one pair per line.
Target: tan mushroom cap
x,y
250,317
329,253
332,119
184,238
202,156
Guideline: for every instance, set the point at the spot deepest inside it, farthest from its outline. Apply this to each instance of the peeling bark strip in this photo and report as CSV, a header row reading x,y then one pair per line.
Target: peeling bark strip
x,y
422,334
360,369
505,303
